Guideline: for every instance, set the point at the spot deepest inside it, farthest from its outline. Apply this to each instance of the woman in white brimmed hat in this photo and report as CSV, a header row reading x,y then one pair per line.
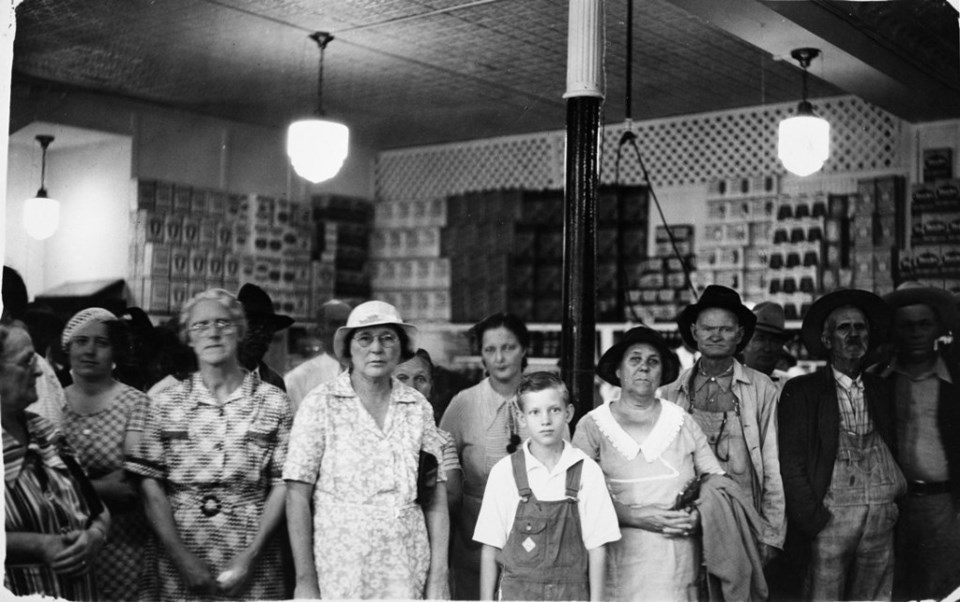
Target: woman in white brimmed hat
x,y
354,453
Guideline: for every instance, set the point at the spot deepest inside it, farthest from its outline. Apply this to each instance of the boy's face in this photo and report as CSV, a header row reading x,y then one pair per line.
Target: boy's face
x,y
544,413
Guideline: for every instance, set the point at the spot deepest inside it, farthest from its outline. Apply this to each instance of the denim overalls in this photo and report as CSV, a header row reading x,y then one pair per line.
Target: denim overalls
x,y
853,554
544,557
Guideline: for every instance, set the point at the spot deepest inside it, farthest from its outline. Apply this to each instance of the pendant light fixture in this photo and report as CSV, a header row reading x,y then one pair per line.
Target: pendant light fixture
x,y
317,147
41,214
804,141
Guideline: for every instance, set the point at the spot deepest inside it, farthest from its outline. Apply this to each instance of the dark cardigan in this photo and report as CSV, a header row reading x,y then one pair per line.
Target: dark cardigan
x,y
809,434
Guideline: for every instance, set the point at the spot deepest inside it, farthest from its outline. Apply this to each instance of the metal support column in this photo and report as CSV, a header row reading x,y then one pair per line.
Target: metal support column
x,y
584,98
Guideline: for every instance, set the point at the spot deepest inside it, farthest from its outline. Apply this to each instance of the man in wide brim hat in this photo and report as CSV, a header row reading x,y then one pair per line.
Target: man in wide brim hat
x,y
840,476
873,307
734,405
610,361
719,297
258,306
939,300
927,382
262,323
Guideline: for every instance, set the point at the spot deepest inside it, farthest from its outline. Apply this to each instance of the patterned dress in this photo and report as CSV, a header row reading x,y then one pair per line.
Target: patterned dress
x,y
645,565
217,463
369,536
98,441
41,496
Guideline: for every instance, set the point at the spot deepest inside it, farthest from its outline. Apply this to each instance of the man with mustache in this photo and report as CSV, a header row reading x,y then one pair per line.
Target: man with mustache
x,y
837,455
735,406
927,389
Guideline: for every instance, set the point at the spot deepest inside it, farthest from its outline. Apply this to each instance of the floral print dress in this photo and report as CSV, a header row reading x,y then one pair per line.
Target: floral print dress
x,y
369,536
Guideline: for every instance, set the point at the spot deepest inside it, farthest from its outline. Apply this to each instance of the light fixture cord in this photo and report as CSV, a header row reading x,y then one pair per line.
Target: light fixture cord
x,y
630,137
322,38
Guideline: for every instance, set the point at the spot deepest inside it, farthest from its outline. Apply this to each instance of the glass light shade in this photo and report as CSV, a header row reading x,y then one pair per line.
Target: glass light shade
x,y
317,148
41,217
804,144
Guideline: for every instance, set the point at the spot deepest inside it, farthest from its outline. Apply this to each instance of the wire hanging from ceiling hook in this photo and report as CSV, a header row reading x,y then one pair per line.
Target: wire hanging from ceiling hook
x,y
629,137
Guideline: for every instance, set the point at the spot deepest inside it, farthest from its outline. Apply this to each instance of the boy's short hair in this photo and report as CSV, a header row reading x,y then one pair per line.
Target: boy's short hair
x,y
541,381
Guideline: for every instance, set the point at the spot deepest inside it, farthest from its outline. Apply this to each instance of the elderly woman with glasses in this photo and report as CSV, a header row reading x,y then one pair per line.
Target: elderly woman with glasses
x,y
359,528
210,461
649,450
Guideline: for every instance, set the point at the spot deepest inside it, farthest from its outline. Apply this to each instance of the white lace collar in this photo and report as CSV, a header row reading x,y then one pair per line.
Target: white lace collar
x,y
663,433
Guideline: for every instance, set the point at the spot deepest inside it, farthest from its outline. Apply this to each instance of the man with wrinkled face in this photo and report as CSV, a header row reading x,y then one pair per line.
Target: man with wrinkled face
x,y
840,476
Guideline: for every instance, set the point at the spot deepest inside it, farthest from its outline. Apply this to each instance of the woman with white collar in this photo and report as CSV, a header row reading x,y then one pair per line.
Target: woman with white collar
x,y
649,450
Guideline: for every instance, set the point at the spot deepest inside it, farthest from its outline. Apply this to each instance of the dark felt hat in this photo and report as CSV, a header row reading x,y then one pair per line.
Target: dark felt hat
x,y
877,313
720,297
258,306
939,300
610,361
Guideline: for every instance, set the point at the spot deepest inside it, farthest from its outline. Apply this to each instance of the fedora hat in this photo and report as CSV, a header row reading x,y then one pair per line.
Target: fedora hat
x,y
939,300
258,306
770,318
720,297
872,306
374,313
610,361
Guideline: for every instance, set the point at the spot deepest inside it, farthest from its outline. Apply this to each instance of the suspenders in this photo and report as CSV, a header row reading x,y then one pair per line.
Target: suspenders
x,y
519,463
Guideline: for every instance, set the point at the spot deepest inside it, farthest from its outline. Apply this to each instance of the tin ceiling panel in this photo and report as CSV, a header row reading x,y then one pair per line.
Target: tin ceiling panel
x,y
400,72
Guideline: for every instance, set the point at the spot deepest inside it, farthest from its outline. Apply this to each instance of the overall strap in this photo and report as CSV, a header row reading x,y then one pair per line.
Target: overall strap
x,y
573,480
519,463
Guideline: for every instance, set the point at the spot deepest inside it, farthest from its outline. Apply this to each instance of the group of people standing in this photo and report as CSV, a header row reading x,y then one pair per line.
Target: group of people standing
x,y
715,481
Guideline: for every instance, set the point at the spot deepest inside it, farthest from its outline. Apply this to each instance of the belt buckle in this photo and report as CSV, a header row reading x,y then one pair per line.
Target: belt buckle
x,y
210,505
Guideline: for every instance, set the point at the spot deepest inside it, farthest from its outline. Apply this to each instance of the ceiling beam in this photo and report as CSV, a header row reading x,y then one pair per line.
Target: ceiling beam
x,y
852,60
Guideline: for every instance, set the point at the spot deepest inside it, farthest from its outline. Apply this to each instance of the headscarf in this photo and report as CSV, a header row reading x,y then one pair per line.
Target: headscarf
x,y
80,320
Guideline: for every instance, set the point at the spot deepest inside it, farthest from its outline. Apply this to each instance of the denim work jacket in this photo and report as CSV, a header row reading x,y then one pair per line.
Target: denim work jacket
x,y
758,397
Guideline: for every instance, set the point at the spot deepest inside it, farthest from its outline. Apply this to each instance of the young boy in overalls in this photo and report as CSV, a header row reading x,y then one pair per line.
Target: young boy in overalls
x,y
546,516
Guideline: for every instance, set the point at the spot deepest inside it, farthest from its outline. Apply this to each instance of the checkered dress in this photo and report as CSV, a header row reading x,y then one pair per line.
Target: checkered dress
x,y
98,441
217,463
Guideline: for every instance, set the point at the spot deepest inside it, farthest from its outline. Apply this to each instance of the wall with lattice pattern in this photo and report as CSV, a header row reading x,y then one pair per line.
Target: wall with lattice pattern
x,y
680,151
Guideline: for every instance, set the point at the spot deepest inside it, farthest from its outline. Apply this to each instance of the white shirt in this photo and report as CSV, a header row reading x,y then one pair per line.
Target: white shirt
x,y
308,376
598,519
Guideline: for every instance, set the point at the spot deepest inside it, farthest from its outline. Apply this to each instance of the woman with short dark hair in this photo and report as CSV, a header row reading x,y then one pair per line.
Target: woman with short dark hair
x,y
95,419
484,423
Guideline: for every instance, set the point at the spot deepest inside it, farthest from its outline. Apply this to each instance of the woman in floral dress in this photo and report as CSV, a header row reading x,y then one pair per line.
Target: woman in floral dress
x,y
95,420
212,450
354,453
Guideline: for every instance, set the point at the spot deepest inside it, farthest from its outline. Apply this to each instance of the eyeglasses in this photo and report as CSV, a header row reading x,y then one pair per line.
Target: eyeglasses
x,y
386,339
204,326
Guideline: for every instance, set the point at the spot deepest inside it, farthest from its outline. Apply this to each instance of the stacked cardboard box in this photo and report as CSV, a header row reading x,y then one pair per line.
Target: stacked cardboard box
x,y
478,241
657,286
183,242
934,257
406,268
877,230
342,227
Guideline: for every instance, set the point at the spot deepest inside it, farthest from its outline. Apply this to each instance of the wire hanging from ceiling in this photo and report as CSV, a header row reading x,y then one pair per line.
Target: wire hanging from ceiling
x,y
629,137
